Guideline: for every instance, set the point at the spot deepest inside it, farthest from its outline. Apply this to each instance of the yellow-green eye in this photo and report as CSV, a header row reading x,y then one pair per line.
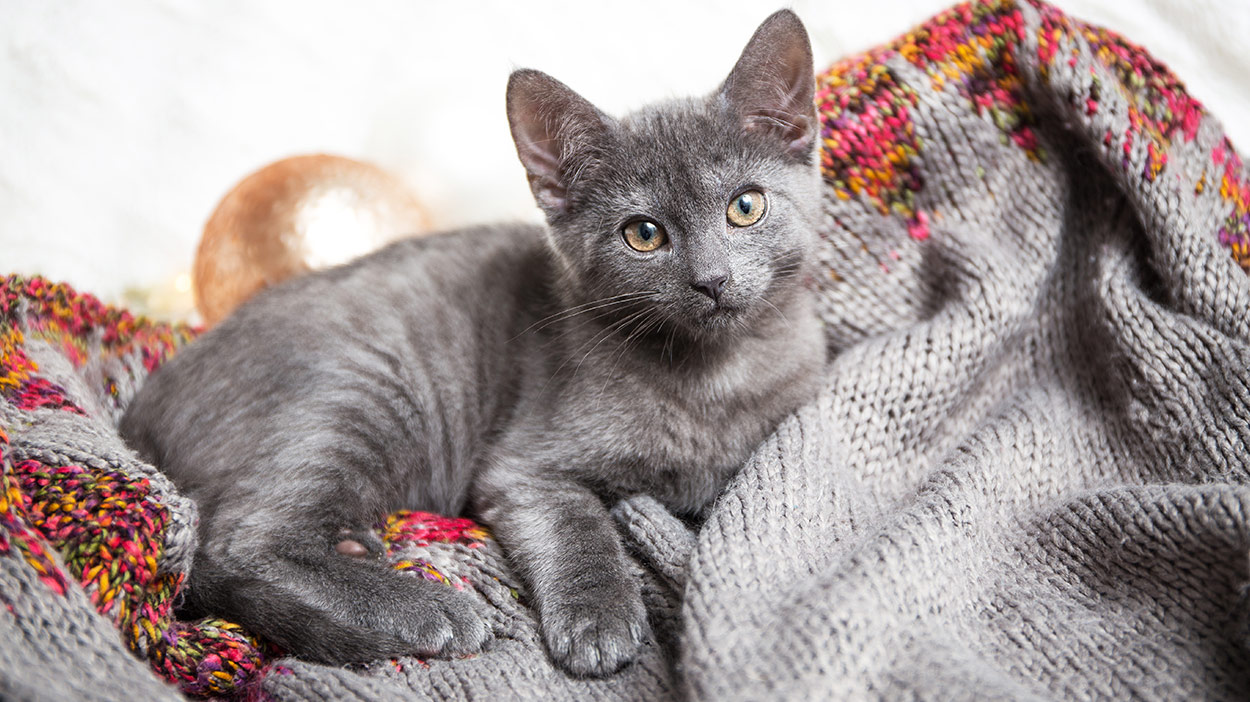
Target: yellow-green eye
x,y
747,208
644,235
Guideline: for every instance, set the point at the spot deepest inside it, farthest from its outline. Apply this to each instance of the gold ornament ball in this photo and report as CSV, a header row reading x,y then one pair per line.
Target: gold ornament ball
x,y
296,215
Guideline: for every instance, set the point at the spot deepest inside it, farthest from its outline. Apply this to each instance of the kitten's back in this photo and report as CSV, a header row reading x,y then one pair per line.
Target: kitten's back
x,y
411,340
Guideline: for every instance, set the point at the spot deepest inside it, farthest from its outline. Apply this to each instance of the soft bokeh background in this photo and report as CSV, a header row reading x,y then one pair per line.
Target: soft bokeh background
x,y
122,123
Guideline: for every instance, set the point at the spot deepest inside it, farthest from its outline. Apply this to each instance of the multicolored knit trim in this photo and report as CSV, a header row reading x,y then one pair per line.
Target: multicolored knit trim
x,y
1160,111
867,131
871,150
1158,105
406,529
1235,189
17,537
109,530
213,658
80,327
18,382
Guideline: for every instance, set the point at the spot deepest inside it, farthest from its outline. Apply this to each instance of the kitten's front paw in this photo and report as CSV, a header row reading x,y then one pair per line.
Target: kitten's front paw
x,y
440,621
595,638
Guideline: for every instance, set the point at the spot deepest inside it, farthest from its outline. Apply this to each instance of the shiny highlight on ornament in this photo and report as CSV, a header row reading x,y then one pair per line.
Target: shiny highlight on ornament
x,y
296,215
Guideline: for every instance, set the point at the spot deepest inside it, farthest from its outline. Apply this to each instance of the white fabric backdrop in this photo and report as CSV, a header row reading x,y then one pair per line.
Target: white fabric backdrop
x,y
122,123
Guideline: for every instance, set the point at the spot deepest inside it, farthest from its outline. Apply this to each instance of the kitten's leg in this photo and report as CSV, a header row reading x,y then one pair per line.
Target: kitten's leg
x,y
287,578
561,540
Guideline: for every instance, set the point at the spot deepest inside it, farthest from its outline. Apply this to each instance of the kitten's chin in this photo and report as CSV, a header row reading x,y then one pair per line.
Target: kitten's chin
x,y
721,320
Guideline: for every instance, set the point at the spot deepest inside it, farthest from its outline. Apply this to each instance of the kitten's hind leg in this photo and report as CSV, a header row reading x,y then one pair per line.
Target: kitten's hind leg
x,y
297,588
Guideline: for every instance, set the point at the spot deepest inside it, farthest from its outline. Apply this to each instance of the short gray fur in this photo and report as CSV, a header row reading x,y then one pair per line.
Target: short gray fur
x,y
1025,476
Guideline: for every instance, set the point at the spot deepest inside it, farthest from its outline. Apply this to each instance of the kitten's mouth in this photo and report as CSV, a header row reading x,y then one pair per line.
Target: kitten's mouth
x,y
721,315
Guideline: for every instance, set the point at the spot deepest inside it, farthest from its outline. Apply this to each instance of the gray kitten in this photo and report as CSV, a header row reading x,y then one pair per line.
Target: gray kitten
x,y
644,343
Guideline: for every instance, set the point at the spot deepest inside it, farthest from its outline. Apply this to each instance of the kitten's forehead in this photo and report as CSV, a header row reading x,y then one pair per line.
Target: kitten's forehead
x,y
689,149
685,130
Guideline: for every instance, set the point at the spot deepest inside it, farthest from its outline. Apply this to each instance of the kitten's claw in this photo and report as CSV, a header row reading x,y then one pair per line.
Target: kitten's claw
x,y
595,640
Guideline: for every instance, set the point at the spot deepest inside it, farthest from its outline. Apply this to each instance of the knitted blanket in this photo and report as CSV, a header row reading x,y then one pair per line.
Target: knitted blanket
x,y
1026,476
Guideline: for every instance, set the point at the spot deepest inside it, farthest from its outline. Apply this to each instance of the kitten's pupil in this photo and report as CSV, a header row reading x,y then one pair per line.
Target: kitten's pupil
x,y
646,231
744,205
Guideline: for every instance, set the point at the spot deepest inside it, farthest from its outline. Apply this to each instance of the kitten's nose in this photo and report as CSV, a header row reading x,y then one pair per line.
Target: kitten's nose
x,y
712,287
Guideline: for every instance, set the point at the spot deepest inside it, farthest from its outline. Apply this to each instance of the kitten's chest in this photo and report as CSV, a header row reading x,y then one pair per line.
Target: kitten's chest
x,y
674,430
679,448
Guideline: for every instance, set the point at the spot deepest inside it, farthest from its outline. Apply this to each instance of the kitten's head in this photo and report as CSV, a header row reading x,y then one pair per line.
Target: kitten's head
x,y
707,205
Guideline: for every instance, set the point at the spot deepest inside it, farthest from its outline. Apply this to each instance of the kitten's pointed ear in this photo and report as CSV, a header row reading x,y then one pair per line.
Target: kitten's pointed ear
x,y
556,133
773,85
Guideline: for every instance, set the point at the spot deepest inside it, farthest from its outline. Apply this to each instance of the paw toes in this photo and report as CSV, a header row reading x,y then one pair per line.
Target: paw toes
x,y
471,632
444,623
595,646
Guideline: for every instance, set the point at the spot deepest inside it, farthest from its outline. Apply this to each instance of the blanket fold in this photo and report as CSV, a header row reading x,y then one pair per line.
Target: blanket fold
x,y
1026,475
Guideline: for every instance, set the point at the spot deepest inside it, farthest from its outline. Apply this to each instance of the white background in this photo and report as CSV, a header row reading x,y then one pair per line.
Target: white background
x,y
123,122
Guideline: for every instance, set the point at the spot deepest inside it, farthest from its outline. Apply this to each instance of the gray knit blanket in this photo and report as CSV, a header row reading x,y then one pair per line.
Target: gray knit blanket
x,y
1026,476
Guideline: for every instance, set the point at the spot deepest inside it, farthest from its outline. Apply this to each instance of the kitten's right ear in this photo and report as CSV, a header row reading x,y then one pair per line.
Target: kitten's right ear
x,y
556,133
773,85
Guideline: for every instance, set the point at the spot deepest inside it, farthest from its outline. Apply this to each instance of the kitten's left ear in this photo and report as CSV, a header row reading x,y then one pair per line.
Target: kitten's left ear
x,y
773,85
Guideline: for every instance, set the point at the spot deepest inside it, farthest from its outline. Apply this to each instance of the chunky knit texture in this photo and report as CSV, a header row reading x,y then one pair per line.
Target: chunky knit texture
x,y
1026,475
